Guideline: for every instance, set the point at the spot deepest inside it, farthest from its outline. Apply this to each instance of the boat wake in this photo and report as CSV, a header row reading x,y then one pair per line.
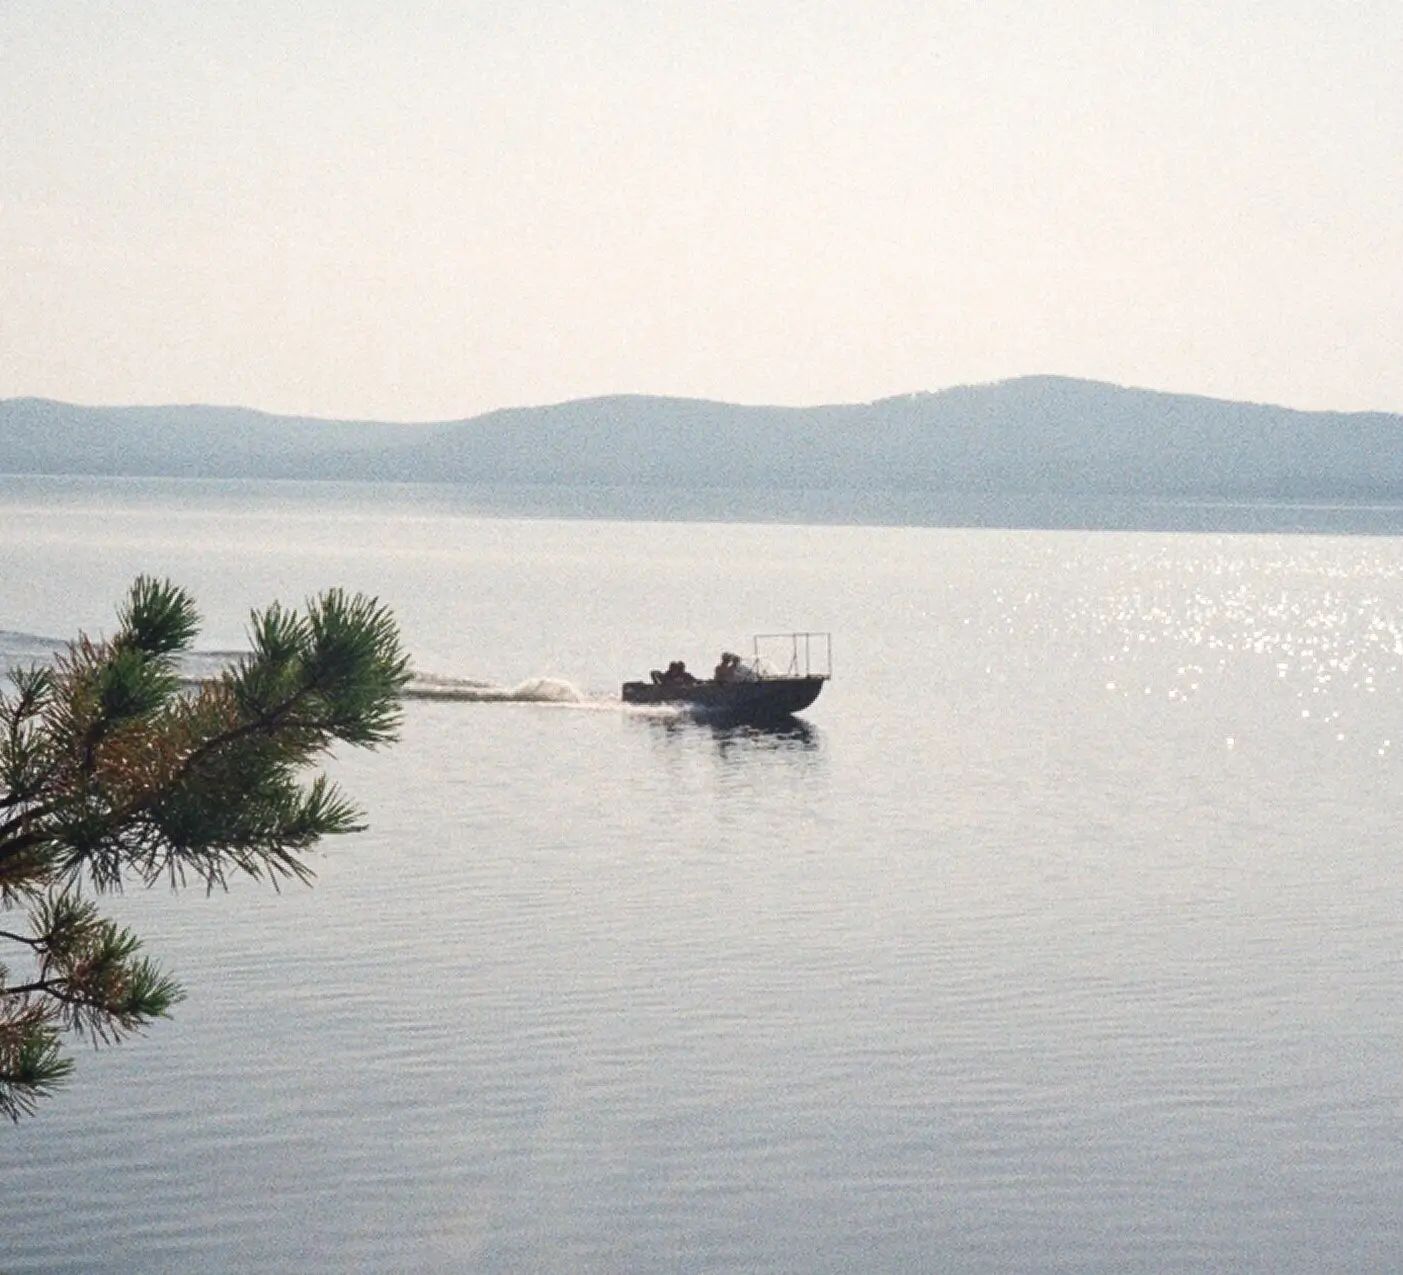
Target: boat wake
x,y
535,690
27,648
198,667
554,692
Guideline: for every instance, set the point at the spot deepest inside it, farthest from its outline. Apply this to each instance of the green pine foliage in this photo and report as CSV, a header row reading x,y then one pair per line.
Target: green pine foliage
x,y
114,771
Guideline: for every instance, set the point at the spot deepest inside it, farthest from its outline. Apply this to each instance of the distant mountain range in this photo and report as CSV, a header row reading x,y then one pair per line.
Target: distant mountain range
x,y
1033,435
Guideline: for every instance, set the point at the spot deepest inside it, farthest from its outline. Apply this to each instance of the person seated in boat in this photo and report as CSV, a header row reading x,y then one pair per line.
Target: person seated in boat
x,y
677,675
733,669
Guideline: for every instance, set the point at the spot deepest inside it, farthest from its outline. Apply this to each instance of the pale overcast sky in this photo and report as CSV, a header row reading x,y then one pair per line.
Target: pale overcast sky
x,y
423,211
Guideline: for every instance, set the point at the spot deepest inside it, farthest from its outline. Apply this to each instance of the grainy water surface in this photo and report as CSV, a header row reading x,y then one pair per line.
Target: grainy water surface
x,y
1063,935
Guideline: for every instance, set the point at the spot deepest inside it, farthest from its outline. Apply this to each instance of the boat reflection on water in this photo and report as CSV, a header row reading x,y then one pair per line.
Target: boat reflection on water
x,y
792,732
778,735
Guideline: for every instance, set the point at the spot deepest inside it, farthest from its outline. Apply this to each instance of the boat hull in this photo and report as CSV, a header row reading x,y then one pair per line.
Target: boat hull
x,y
766,700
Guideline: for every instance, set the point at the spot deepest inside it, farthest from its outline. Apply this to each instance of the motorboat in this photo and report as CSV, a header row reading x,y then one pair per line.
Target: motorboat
x,y
783,677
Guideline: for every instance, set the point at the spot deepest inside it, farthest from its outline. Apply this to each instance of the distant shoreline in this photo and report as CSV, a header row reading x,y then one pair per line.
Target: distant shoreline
x,y
1039,452
916,510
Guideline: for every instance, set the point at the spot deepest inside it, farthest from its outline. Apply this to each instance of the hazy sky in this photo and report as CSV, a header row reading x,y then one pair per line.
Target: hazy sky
x,y
423,211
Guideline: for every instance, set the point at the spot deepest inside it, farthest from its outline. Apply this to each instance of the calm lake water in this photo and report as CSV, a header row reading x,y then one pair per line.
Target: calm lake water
x,y
1064,934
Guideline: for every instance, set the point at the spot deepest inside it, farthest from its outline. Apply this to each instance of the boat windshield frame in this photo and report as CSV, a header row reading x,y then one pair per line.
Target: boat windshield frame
x,y
808,654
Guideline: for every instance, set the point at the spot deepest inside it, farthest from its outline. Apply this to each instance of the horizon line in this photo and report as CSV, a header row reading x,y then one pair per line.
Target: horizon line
x,y
689,398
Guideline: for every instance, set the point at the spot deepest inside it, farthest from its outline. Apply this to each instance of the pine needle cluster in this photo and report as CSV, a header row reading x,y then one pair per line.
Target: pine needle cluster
x,y
116,771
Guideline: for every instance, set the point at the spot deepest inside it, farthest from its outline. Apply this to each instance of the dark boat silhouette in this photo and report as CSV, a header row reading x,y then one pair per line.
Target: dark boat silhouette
x,y
765,690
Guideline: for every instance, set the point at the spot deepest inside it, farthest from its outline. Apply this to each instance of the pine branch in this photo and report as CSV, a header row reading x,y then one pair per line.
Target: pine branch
x,y
109,770
32,1065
